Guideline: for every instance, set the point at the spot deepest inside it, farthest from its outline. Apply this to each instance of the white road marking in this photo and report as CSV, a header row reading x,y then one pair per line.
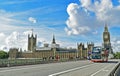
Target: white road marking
x,y
69,70
12,69
22,67
103,69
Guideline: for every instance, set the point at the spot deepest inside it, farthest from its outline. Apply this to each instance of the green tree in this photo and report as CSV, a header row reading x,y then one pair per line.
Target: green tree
x,y
117,55
3,54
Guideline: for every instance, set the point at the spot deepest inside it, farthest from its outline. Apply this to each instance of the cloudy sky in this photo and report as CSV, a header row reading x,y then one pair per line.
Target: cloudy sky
x,y
71,21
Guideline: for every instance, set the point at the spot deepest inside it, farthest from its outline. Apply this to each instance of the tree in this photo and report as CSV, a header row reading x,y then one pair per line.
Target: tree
x,y
3,54
117,55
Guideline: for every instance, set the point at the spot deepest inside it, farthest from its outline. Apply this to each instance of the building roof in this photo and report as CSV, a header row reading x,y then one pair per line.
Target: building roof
x,y
66,50
43,48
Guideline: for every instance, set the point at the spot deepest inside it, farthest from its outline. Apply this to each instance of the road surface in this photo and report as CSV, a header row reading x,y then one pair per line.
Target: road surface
x,y
73,68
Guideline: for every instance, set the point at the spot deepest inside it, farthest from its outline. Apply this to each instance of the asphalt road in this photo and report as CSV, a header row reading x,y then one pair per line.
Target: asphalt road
x,y
74,68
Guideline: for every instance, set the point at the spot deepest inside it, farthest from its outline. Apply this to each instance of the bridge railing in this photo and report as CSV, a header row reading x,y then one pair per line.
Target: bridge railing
x,y
19,62
116,70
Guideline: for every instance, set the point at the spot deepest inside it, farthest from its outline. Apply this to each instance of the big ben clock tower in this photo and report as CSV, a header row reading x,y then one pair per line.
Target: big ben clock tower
x,y
106,40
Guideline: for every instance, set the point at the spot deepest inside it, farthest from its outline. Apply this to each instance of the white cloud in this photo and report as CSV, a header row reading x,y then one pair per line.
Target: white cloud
x,y
9,37
95,32
85,3
15,39
2,35
31,19
116,44
18,40
88,15
8,23
12,40
27,32
75,22
2,38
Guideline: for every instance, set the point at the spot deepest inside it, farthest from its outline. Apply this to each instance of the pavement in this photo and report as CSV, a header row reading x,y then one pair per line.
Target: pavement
x,y
72,68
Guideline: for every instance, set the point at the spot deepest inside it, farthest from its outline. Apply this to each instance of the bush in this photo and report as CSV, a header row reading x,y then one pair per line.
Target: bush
x,y
3,55
117,55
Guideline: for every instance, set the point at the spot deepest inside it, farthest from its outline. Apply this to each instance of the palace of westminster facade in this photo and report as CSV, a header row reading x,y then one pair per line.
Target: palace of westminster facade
x,y
54,51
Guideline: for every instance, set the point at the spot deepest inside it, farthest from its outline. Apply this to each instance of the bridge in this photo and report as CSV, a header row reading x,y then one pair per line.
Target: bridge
x,y
70,68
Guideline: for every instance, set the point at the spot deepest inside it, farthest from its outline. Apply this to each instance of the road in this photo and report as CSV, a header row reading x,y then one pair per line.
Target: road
x,y
73,68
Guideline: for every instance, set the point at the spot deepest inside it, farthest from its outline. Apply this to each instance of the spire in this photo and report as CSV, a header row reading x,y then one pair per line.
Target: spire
x,y
32,32
106,28
53,41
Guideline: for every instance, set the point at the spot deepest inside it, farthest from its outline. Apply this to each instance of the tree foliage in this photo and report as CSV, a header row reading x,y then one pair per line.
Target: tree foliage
x,y
117,55
3,55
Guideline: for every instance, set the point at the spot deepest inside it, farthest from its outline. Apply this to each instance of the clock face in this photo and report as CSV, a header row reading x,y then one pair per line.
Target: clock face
x,y
106,36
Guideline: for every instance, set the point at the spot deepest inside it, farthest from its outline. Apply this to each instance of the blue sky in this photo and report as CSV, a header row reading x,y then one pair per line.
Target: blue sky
x,y
72,21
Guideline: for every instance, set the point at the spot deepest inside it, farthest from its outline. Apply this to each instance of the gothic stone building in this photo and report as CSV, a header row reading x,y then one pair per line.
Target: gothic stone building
x,y
50,52
54,51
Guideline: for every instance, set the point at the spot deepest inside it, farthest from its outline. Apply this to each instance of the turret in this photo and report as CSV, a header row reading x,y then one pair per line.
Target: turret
x,y
80,50
32,42
90,46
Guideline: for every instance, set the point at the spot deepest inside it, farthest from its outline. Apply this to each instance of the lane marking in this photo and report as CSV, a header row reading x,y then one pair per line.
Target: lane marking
x,y
21,68
103,69
62,72
17,69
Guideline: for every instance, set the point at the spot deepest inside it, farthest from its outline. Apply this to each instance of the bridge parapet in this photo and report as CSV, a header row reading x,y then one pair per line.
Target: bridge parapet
x,y
116,70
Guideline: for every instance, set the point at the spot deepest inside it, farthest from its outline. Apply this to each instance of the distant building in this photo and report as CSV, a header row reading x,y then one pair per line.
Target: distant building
x,y
85,52
53,50
13,53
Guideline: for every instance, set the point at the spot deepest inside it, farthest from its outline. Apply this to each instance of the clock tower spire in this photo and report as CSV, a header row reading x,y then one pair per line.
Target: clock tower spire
x,y
106,28
106,39
106,35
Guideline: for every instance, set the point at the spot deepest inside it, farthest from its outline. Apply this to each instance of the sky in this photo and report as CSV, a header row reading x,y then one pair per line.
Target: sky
x,y
71,21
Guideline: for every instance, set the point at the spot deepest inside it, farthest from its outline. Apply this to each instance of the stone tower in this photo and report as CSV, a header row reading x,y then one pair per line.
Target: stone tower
x,y
13,53
80,50
106,39
90,46
32,42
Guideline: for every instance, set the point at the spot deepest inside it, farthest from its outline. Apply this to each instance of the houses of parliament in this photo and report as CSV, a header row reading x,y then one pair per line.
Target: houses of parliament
x,y
54,51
